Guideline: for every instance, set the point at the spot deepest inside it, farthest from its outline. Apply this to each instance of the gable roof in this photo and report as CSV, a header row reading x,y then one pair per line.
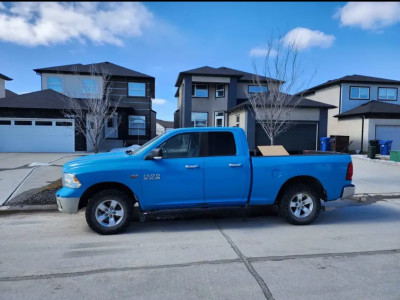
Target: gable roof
x,y
372,108
165,124
10,93
351,79
106,67
4,77
44,99
220,72
302,103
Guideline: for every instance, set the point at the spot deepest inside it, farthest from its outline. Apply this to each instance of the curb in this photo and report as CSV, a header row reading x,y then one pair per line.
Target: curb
x,y
27,209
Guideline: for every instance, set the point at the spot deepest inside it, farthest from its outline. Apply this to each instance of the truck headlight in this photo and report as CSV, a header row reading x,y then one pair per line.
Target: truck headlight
x,y
70,181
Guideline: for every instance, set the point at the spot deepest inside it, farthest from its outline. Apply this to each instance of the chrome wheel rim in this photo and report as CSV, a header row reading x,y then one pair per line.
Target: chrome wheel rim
x,y
301,205
109,213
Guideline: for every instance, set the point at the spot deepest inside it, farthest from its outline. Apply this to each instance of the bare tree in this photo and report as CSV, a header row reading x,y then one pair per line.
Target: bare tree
x,y
94,108
273,101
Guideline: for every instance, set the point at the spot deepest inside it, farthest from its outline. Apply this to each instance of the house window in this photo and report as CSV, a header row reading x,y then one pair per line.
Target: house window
x,y
219,119
257,89
200,90
219,91
55,83
358,92
137,125
237,120
89,87
199,119
136,89
110,122
387,93
23,123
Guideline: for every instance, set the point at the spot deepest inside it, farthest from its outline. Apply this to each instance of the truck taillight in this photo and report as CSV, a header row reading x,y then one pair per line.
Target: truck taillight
x,y
349,175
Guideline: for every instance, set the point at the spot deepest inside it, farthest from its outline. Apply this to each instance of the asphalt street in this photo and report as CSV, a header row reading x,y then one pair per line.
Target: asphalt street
x,y
351,252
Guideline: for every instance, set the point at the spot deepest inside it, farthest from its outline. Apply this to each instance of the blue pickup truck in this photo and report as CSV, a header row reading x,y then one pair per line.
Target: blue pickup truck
x,y
200,167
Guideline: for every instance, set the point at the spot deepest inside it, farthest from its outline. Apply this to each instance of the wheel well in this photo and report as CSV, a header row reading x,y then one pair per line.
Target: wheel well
x,y
105,186
306,180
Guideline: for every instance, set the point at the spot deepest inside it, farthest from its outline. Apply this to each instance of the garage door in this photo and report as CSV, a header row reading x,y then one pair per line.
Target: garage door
x,y
389,132
300,136
37,135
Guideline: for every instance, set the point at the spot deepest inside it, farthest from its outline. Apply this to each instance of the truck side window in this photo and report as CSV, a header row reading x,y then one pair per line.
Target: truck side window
x,y
221,144
182,145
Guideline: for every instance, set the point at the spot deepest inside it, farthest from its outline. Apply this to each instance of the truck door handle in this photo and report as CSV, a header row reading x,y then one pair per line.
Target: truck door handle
x,y
235,165
191,166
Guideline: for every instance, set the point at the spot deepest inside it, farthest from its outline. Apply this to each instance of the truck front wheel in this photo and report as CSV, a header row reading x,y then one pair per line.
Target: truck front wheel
x,y
299,204
109,211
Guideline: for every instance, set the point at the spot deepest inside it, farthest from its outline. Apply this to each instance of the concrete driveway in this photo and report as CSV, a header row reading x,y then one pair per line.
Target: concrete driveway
x,y
376,177
22,174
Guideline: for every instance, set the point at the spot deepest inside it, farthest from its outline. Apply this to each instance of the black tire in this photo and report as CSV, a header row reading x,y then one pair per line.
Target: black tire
x,y
121,214
298,215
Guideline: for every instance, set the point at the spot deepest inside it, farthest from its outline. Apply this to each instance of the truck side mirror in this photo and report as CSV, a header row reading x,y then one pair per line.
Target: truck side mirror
x,y
155,154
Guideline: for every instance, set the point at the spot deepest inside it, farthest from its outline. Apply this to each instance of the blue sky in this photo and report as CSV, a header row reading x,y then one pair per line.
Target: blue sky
x,y
163,38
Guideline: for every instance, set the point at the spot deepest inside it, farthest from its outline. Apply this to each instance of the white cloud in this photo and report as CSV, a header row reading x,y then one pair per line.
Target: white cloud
x,y
369,15
262,52
159,101
47,23
303,38
2,6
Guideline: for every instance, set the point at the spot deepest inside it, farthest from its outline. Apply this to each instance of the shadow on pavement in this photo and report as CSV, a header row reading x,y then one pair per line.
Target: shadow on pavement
x,y
258,217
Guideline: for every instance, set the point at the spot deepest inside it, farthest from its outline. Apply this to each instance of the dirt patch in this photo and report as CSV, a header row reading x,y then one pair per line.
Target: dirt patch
x,y
45,196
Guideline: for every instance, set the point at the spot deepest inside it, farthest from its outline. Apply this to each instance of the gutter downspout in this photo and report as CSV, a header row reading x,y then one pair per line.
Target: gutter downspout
x,y
362,133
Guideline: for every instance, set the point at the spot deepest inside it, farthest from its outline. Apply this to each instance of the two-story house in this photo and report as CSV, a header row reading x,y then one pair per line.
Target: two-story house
x,y
367,108
210,96
38,121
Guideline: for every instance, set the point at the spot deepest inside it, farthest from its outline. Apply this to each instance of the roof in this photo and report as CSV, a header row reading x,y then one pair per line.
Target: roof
x,y
106,67
4,77
221,71
47,99
303,103
165,124
352,79
44,99
10,93
372,108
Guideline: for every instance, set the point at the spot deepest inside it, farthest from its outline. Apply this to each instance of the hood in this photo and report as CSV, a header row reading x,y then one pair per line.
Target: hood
x,y
93,160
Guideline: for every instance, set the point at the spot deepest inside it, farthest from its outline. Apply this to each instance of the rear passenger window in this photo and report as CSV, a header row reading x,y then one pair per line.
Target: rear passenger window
x,y
221,144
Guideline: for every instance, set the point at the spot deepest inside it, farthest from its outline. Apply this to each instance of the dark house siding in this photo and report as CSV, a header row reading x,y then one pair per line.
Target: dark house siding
x,y
177,121
140,106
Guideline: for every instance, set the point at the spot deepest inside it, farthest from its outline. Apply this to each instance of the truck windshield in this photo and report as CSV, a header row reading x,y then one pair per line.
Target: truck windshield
x,y
146,145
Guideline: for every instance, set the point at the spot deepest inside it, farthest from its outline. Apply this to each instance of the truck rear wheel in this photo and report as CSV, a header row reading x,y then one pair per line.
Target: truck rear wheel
x,y
300,204
109,211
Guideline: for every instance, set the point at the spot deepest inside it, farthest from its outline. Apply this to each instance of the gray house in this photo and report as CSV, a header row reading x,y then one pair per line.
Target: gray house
x,y
367,108
36,122
217,97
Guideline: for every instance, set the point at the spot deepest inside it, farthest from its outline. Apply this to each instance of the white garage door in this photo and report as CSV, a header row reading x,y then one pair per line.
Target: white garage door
x,y
389,132
37,135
